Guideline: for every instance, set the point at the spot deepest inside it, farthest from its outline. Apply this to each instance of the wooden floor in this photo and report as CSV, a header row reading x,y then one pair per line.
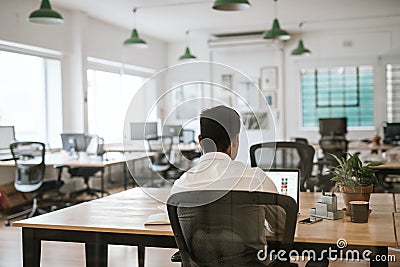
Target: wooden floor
x,y
62,254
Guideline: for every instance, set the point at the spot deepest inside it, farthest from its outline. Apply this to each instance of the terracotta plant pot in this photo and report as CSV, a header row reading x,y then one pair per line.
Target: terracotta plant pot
x,y
362,193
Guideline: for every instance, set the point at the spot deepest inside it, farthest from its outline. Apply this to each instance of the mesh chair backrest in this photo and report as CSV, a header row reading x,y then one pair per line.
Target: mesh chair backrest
x,y
223,228
163,146
337,147
283,155
29,161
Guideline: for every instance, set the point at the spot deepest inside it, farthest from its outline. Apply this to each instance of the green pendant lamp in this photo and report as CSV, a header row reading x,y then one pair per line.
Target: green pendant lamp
x,y
134,40
187,55
45,15
231,5
276,32
301,50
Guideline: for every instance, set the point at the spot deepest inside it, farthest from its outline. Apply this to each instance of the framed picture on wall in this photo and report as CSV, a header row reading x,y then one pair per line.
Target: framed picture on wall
x,y
269,78
270,99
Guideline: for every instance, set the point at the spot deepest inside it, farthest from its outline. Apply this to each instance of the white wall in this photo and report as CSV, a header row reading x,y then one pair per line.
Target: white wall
x,y
79,37
370,45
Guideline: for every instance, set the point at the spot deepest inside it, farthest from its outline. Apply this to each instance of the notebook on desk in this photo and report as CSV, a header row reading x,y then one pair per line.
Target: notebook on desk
x,y
286,181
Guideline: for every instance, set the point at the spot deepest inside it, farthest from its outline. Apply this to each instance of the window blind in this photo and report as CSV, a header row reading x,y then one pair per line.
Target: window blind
x,y
393,92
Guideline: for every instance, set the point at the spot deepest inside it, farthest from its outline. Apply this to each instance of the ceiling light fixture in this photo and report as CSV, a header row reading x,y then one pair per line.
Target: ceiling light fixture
x,y
134,39
301,50
46,15
187,55
231,5
276,32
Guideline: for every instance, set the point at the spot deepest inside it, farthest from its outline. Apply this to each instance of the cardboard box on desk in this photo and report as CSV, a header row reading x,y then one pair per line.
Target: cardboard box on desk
x,y
10,197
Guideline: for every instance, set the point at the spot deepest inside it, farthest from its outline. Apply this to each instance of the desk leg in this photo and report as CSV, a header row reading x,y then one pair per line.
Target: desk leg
x,y
96,255
31,247
141,254
102,182
379,257
125,177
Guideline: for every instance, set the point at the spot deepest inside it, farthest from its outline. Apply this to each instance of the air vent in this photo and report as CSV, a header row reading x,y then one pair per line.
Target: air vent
x,y
240,39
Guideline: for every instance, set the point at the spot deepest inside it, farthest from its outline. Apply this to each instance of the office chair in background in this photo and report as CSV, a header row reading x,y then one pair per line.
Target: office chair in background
x,y
30,166
91,144
285,155
337,147
162,162
210,227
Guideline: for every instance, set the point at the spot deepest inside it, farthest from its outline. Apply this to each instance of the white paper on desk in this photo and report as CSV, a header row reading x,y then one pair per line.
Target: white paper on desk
x,y
157,219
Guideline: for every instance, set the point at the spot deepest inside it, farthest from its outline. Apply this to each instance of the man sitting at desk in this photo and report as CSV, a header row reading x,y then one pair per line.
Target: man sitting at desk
x,y
217,170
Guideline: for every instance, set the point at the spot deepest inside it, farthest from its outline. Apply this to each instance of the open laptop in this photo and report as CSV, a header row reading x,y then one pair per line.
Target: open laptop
x,y
286,181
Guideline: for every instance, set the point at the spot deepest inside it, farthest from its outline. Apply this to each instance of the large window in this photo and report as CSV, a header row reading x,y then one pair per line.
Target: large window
x,y
338,92
30,97
393,92
109,95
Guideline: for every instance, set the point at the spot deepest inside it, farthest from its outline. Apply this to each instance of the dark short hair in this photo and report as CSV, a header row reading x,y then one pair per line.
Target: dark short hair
x,y
220,125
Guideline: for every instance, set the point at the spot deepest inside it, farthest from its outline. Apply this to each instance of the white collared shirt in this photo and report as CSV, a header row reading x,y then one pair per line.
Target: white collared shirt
x,y
217,171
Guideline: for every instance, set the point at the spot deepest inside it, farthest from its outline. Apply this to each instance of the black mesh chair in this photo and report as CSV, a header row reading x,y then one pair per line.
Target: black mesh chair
x,y
330,146
95,147
285,155
85,173
162,162
212,227
30,167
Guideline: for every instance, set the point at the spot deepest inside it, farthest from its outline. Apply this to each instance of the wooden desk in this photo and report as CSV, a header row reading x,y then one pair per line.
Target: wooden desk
x,y
119,219
384,170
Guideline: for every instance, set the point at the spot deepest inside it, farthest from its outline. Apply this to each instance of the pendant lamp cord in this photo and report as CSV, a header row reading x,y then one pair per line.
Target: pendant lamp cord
x,y
134,17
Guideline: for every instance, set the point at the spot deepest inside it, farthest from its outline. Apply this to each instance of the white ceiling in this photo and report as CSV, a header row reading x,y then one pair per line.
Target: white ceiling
x,y
169,19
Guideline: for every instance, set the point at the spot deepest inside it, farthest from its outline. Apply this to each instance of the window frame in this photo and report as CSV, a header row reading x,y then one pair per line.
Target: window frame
x,y
45,54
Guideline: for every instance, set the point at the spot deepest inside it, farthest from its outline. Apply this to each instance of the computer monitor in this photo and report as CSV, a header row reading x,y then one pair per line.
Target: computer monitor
x,y
141,130
75,141
172,130
391,132
7,136
332,126
286,181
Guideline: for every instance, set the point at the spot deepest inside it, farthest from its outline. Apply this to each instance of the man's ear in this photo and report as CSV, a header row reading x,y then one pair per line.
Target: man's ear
x,y
228,150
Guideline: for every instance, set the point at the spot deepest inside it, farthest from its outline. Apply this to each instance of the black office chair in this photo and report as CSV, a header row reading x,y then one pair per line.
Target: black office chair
x,y
85,173
30,167
162,162
211,227
285,155
330,146
95,147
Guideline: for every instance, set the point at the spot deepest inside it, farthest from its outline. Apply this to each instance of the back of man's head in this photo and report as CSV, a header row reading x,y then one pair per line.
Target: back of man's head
x,y
218,126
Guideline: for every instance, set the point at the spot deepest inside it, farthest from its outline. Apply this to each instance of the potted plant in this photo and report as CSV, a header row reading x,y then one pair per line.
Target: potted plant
x,y
354,180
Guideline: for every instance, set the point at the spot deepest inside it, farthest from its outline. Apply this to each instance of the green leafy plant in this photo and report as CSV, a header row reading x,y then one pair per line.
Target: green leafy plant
x,y
352,173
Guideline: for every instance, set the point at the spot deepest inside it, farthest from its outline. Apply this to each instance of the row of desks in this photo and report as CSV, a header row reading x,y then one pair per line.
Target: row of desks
x,y
119,219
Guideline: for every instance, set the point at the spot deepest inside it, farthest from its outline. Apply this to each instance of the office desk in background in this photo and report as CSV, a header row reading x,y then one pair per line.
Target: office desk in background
x,y
119,219
62,158
140,147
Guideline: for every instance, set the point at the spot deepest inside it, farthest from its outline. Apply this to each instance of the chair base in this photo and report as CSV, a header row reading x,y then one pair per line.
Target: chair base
x,y
88,191
26,213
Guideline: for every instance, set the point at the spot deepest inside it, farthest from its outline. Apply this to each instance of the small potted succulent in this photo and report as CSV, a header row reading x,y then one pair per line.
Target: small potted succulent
x,y
354,180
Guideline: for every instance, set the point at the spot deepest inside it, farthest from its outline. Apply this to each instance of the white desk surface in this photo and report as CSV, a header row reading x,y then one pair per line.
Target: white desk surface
x,y
62,158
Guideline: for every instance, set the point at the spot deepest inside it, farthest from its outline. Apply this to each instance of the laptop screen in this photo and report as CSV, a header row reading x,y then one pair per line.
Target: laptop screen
x,y
286,181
